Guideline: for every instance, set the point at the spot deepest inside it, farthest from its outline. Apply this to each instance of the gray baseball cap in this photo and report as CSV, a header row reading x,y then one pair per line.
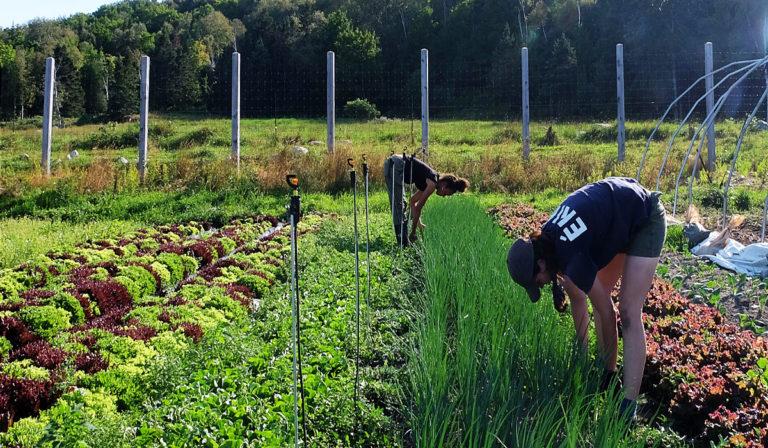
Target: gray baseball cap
x,y
520,262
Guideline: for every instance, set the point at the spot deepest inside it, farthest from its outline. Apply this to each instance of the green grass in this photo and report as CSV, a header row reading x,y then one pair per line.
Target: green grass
x,y
488,367
486,152
23,238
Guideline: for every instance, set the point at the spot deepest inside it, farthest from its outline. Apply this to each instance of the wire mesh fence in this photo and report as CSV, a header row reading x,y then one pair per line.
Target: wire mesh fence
x,y
583,90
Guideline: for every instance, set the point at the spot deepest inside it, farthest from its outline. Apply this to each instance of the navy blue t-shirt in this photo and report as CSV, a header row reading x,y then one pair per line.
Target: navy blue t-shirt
x,y
594,224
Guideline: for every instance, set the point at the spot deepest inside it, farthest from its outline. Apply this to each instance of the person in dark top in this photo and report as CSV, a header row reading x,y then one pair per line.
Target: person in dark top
x,y
399,171
604,231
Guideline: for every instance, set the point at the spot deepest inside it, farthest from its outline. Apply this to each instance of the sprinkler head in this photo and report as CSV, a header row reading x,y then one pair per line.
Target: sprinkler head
x,y
293,181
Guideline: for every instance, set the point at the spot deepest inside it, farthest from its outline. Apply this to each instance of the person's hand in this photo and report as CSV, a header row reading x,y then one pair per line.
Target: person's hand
x,y
558,298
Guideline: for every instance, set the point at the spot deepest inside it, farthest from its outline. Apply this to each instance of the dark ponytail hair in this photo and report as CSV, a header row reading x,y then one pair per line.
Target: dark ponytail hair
x,y
455,183
544,249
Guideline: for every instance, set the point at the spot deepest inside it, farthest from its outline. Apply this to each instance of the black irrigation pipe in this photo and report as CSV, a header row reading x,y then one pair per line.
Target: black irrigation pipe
x,y
268,234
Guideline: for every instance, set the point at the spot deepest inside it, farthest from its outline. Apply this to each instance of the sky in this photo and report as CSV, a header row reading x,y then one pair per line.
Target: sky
x,y
22,11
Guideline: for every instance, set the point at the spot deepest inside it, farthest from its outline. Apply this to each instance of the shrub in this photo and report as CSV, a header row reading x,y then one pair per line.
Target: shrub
x,y
109,137
46,321
361,109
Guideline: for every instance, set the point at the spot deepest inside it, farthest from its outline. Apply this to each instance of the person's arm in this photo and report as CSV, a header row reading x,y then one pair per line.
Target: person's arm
x,y
417,203
609,336
578,311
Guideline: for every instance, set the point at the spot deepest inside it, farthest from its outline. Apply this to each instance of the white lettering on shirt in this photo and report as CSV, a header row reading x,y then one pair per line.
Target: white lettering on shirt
x,y
566,216
574,230
556,214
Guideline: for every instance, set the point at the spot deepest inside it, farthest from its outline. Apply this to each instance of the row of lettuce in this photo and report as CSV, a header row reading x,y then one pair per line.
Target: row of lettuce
x,y
78,327
710,375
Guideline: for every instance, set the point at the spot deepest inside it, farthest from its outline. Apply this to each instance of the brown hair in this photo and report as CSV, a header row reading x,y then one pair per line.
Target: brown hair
x,y
455,183
544,249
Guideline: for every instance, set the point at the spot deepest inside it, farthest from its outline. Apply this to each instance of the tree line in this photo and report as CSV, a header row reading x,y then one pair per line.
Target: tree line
x,y
474,52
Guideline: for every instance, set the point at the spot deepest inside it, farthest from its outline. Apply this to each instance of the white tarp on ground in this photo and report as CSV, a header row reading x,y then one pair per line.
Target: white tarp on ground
x,y
751,260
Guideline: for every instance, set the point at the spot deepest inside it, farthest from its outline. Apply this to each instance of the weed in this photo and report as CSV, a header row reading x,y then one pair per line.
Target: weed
x,y
742,201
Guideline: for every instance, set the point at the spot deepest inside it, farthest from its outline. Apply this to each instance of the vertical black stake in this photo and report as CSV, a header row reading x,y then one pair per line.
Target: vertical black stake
x,y
294,213
367,237
404,204
413,156
393,193
353,182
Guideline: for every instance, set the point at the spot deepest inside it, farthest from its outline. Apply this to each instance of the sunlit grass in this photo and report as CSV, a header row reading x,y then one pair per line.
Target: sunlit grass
x,y
23,238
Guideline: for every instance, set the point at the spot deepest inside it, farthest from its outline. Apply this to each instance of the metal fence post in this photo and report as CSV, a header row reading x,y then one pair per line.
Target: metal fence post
x,y
143,118
621,118
526,107
331,100
236,108
710,82
50,71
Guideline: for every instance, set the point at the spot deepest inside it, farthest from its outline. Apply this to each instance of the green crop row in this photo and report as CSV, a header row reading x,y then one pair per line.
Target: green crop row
x,y
487,367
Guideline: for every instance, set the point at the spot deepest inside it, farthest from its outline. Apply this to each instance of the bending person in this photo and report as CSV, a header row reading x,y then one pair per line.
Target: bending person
x,y
398,172
607,230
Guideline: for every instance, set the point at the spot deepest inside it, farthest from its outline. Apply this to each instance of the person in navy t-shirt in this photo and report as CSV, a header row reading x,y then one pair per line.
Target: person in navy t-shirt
x,y
604,231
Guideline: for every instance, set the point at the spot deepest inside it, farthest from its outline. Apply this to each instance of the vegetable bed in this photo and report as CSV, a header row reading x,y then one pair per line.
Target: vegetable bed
x,y
87,321
707,375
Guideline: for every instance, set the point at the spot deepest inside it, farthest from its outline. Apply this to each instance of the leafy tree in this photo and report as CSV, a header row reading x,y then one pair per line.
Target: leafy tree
x,y
124,97
351,43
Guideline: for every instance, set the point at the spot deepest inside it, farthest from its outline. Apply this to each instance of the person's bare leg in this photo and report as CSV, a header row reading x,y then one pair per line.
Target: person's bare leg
x,y
638,275
608,277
